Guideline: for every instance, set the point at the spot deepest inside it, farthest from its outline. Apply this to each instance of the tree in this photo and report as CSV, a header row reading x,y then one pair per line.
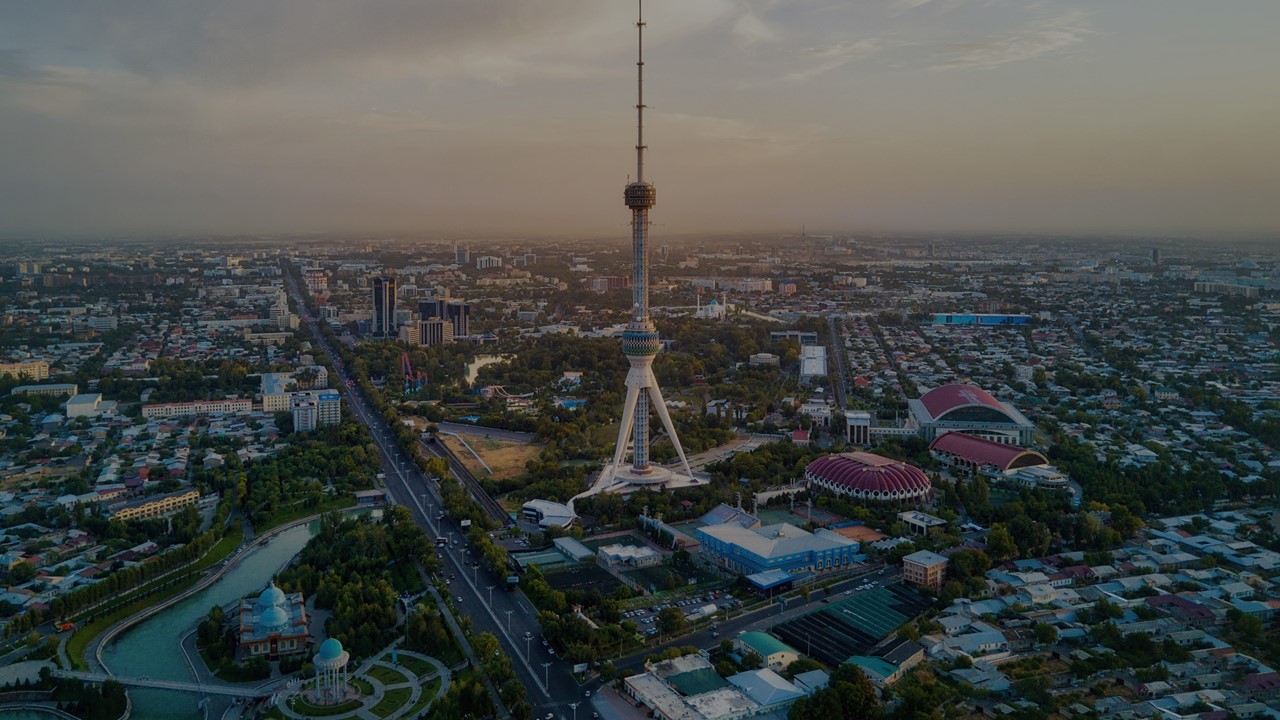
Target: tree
x,y
849,695
670,620
1000,544
1046,634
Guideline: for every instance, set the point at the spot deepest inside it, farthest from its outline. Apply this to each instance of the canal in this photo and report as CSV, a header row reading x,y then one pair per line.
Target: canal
x,y
152,648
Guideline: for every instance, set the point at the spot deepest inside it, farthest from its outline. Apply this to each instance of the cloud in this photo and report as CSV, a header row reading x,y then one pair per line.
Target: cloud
x,y
1046,38
13,66
249,43
831,57
750,30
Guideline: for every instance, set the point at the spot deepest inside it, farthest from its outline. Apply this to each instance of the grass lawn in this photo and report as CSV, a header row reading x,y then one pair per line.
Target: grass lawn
x,y
428,694
412,664
289,513
392,701
365,688
386,675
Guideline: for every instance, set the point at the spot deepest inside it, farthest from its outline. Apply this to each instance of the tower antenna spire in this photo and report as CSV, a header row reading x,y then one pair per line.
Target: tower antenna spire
x,y
640,146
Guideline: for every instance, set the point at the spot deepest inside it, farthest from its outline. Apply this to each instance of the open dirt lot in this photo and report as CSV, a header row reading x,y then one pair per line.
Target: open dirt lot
x,y
506,458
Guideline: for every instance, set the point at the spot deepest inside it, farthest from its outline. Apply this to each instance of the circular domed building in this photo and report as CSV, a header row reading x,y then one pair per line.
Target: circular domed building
x,y
869,477
331,673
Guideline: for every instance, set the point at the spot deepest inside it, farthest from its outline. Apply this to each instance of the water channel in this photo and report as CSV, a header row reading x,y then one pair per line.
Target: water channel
x,y
151,648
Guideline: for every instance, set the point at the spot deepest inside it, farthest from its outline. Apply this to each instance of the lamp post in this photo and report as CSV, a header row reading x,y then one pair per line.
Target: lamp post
x,y
546,674
475,573
490,596
574,705
508,622
527,639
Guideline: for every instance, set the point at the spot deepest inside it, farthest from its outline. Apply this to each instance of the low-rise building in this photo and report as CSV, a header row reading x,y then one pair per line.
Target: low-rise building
x,y
925,569
156,506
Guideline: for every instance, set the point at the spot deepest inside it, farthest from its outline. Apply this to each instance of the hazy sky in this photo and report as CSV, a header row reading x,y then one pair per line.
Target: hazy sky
x,y
446,116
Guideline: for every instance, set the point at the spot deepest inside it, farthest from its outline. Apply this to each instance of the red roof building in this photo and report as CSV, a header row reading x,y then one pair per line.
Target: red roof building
x,y
968,409
869,477
973,453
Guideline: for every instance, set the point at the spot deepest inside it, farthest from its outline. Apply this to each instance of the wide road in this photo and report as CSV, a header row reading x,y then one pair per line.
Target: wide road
x,y
548,682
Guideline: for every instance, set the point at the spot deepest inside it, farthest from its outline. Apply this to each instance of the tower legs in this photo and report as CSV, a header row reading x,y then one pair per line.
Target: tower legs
x,y
642,387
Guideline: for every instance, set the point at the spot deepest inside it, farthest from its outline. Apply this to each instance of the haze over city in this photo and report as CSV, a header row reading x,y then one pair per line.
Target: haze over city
x,y
1150,116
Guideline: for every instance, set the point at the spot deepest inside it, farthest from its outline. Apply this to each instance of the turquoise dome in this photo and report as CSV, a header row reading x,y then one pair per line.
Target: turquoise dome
x,y
330,649
271,597
275,619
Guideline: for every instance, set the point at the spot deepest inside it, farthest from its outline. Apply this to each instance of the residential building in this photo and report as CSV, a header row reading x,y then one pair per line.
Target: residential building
x,y
234,406
925,569
158,506
68,389
30,369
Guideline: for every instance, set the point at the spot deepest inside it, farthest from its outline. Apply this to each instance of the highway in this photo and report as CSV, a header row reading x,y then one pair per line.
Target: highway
x,y
548,682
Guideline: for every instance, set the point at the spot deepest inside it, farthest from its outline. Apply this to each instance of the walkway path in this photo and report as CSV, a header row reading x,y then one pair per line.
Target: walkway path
x,y
380,690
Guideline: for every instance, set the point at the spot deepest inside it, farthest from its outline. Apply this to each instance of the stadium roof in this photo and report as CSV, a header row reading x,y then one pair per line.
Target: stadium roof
x,y
981,451
943,400
870,474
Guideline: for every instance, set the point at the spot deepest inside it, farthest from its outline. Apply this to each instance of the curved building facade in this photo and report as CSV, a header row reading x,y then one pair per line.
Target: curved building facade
x,y
968,409
869,477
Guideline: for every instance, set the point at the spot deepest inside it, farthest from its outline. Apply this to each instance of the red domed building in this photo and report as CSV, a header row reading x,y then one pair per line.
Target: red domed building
x,y
869,477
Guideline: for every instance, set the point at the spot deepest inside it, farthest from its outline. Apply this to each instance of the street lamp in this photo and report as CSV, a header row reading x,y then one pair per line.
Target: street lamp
x,y
475,574
508,622
527,639
546,674
490,596
574,705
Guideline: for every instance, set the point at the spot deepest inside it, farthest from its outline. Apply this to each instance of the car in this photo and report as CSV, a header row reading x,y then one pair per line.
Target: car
x,y
545,643
459,599
595,716
848,592
550,716
586,693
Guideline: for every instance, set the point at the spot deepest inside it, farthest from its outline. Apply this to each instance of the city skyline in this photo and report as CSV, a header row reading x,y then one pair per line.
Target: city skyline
x,y
908,115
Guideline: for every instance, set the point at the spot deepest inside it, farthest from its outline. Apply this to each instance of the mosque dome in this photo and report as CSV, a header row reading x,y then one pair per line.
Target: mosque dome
x,y
275,619
271,597
330,649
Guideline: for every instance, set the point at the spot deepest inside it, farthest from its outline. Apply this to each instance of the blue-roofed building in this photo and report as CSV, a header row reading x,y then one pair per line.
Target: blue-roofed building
x,y
775,547
775,582
723,513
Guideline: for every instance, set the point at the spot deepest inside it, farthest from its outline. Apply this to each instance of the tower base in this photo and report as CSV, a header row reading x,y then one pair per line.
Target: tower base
x,y
624,480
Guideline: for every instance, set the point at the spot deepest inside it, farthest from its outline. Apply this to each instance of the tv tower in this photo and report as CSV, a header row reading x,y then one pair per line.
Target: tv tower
x,y
640,341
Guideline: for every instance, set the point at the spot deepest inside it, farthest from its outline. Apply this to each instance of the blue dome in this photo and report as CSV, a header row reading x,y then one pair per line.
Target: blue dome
x,y
275,619
271,597
330,649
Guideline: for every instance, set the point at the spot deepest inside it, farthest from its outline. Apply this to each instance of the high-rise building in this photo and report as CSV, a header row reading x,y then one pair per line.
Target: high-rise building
x,y
384,307
313,409
1155,256
640,340
457,313
434,331
306,412
461,255
486,262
